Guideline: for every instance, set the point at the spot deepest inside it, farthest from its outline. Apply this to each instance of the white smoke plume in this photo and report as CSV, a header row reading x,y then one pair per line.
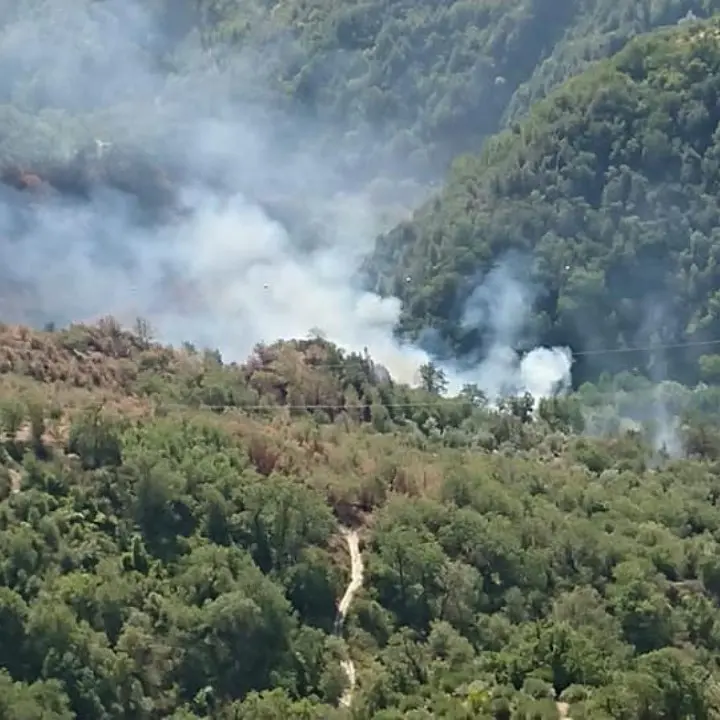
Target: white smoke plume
x,y
224,274
499,308
648,404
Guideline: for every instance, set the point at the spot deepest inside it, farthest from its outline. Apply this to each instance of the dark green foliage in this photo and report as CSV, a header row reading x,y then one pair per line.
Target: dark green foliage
x,y
113,588
609,188
185,563
424,80
405,86
169,540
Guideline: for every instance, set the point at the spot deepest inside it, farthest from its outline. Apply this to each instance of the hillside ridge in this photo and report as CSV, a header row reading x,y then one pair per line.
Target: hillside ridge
x,y
134,515
286,530
606,192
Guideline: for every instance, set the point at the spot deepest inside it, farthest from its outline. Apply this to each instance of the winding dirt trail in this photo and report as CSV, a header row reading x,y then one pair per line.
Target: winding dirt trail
x,y
357,571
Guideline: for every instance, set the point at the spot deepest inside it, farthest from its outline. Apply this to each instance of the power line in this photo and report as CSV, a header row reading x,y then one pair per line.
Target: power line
x,y
646,348
319,365
440,402
272,408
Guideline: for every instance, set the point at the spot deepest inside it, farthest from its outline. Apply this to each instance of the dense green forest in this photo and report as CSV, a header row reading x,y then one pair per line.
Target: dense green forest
x,y
399,87
170,541
176,530
608,191
423,80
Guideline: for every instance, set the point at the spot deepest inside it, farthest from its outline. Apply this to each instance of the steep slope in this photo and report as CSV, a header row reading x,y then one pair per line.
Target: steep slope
x,y
173,543
400,88
600,29
428,80
608,195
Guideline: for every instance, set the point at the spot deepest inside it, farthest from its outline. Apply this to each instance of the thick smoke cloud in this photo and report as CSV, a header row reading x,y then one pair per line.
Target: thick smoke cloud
x,y
499,308
224,273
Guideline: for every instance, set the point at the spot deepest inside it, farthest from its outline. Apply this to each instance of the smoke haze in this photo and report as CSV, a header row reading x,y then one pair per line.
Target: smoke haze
x,y
228,271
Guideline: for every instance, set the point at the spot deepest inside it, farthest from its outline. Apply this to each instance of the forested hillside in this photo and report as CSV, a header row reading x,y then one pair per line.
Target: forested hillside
x,y
425,80
170,541
428,80
178,527
400,87
608,191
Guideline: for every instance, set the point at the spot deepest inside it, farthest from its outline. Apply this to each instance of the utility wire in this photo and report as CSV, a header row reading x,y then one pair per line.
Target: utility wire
x,y
439,402
320,365
647,348
357,406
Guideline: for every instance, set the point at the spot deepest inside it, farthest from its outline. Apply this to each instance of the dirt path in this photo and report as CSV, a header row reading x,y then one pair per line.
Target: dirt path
x,y
357,570
15,481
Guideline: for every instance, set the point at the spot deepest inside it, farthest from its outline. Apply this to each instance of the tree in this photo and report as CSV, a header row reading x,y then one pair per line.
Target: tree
x,y
38,701
95,439
433,378
12,416
143,330
474,395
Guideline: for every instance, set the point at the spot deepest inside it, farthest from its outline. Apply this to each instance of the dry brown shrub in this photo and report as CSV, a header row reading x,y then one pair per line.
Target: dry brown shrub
x,y
262,455
372,493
